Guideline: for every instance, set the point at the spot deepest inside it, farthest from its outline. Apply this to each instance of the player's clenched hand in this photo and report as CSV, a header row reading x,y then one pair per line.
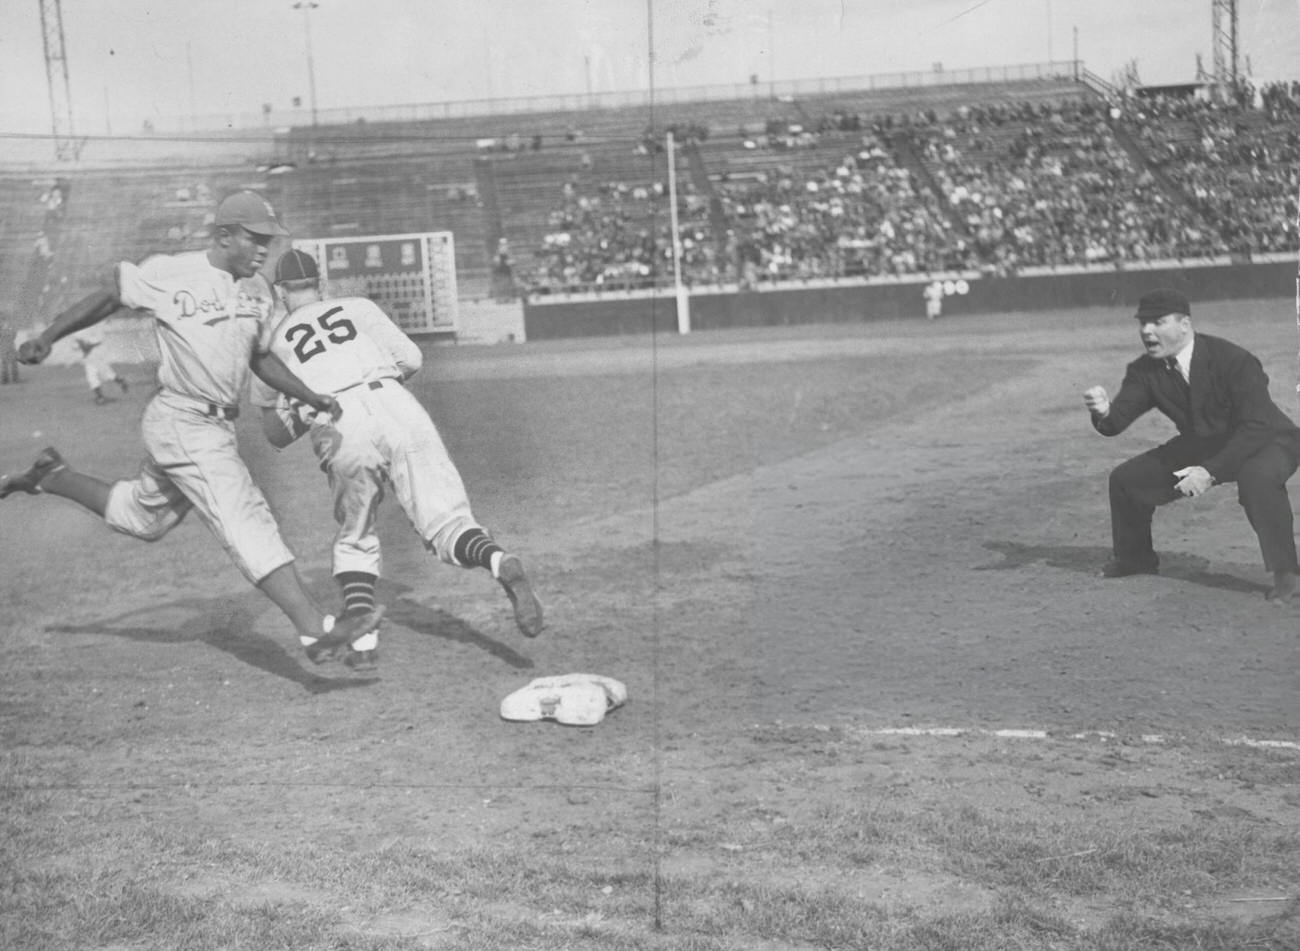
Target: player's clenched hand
x,y
1096,400
34,350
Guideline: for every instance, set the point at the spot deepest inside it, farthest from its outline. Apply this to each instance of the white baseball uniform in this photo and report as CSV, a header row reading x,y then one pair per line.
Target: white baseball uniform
x,y
98,370
208,323
348,348
933,295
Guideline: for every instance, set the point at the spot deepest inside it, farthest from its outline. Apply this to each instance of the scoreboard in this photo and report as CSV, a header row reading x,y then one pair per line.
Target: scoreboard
x,y
411,276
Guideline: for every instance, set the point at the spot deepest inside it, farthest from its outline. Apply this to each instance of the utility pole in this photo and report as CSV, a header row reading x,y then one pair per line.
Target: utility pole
x,y
189,63
306,6
771,54
1050,56
1224,15
66,146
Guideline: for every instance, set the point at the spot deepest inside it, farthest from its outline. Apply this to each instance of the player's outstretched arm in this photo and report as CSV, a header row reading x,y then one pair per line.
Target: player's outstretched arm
x,y
271,370
86,312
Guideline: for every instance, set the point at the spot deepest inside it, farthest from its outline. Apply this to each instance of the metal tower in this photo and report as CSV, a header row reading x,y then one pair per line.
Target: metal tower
x,y
1224,14
66,147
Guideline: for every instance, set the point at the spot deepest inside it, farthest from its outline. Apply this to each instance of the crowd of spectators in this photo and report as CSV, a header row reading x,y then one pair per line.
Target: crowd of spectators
x,y
1051,185
988,187
1237,163
865,215
618,238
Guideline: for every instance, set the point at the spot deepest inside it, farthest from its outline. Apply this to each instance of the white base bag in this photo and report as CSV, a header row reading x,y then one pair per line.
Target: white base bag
x,y
571,699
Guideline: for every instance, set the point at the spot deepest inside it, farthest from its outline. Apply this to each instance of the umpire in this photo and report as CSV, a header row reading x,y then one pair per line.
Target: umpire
x,y
1229,430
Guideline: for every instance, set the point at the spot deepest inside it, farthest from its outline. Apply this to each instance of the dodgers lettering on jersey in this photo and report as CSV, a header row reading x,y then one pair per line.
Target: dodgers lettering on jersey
x,y
208,323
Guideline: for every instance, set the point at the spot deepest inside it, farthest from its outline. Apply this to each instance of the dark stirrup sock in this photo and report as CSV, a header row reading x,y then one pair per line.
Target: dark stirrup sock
x,y
475,548
358,591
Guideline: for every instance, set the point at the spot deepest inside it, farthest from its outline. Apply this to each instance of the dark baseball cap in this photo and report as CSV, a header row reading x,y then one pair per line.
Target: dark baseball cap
x,y
250,211
1157,303
296,265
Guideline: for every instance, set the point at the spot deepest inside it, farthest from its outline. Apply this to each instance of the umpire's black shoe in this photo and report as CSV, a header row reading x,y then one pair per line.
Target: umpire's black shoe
x,y
528,610
47,461
1126,569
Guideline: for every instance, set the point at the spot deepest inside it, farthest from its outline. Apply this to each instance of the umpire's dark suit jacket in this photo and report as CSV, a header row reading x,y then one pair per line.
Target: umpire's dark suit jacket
x,y
1231,415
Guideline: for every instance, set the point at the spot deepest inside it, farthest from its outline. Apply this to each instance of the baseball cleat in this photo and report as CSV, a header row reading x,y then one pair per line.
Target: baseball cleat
x,y
528,610
362,661
363,653
47,462
351,635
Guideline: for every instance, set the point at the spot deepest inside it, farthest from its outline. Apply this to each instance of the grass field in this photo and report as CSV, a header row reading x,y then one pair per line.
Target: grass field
x,y
879,698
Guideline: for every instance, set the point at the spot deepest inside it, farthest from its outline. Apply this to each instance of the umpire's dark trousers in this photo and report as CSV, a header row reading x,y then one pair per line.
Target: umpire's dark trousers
x,y
1146,481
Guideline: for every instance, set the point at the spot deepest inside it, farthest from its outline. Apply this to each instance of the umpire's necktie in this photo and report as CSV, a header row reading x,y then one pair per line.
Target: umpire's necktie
x,y
1180,382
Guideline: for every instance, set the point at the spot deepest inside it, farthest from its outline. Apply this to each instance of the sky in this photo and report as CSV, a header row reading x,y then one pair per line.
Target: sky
x,y
132,60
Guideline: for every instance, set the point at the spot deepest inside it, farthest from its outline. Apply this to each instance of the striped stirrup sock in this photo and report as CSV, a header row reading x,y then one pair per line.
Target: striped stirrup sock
x,y
475,548
358,591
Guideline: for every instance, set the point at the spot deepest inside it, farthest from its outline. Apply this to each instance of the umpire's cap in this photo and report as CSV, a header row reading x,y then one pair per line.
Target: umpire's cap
x,y
251,212
296,265
1157,303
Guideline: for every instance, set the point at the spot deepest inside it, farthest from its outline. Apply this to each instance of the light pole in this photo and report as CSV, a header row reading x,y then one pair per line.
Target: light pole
x,y
306,6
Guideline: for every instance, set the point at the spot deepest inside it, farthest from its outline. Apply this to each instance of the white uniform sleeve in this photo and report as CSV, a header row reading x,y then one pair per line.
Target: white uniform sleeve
x,y
404,351
134,289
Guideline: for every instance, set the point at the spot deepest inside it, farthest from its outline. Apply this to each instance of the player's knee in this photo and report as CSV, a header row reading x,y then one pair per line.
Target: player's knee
x,y
147,527
154,529
1121,478
1255,488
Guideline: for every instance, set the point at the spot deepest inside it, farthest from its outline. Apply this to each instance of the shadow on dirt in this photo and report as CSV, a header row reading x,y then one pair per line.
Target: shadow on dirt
x,y
435,622
219,623
1089,559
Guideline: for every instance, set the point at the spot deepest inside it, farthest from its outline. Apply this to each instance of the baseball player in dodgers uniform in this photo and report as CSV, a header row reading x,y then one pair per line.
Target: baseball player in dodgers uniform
x,y
212,313
348,347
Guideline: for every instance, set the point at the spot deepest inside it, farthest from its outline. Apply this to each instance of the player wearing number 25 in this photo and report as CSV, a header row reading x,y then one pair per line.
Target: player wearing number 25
x,y
384,439
212,312
1229,430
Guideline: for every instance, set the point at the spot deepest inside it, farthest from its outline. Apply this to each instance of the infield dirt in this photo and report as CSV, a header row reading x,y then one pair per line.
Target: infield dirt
x,y
793,545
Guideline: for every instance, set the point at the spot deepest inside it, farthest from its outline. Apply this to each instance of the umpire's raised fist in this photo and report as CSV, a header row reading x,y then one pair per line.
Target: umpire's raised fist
x,y
33,351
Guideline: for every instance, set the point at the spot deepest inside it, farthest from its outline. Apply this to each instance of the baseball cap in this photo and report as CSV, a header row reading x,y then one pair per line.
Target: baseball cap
x,y
251,211
296,265
1157,303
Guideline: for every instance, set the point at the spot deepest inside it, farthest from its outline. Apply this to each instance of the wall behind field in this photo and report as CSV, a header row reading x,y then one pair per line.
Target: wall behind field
x,y
836,302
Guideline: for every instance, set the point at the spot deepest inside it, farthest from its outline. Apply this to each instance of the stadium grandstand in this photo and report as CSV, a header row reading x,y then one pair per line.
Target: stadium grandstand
x,y
996,176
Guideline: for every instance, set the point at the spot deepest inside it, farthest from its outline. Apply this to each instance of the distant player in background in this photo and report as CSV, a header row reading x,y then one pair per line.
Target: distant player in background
x,y
933,295
349,348
212,312
98,370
